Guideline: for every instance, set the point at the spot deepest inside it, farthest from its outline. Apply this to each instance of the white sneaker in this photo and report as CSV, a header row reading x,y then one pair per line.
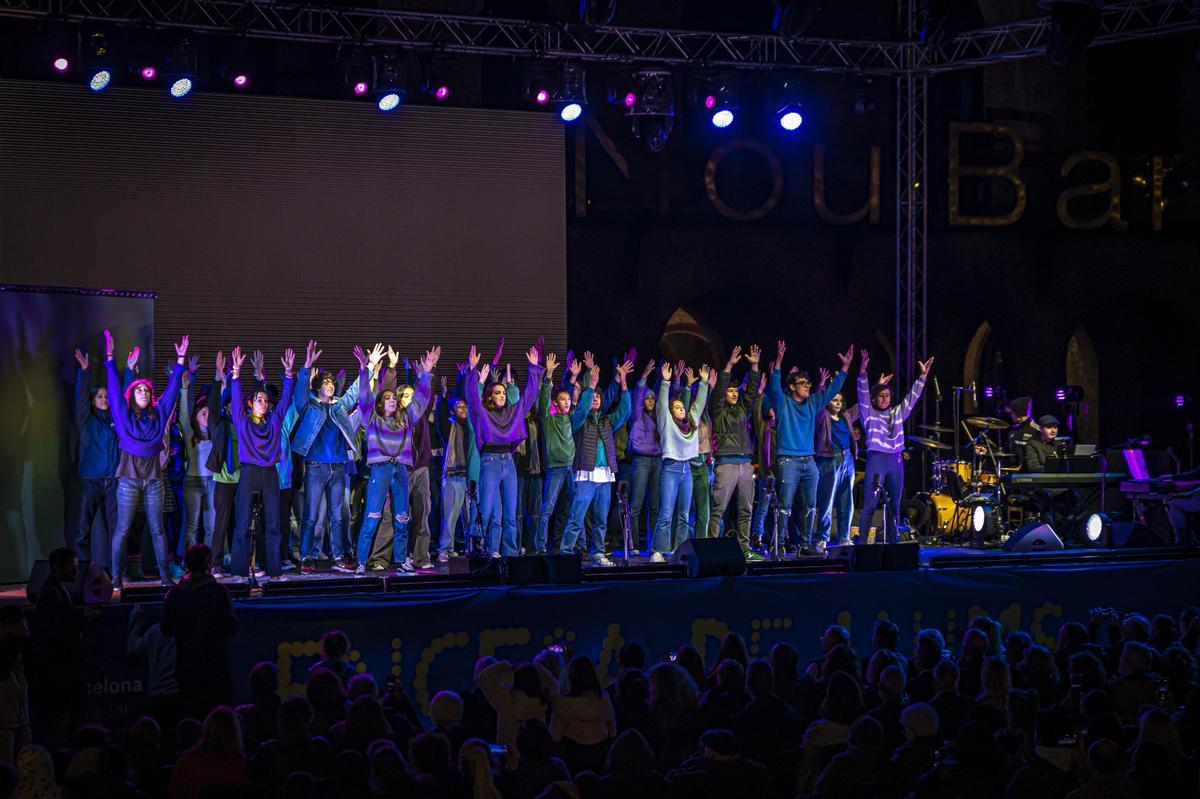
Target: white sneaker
x,y
406,566
362,569
494,555
657,557
601,560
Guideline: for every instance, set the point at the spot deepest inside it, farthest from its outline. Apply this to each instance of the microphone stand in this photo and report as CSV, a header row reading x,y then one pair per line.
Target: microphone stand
x,y
626,521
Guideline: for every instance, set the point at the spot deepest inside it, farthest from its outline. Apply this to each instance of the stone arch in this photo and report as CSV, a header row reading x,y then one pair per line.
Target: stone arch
x,y
1083,369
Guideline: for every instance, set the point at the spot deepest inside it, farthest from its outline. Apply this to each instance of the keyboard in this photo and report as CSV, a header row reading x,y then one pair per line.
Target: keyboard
x,y
1066,480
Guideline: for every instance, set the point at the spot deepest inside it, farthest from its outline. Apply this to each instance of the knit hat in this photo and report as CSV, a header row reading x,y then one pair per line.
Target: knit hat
x,y
141,381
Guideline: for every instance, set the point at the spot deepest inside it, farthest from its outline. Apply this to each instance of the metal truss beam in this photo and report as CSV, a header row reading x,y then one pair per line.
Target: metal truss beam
x,y
476,35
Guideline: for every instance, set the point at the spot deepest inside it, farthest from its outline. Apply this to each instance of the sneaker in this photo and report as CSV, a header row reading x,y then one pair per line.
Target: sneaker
x,y
288,566
378,565
494,555
406,566
425,567
443,557
237,579
259,572
820,547
343,567
657,557
362,569
216,572
541,552
601,560
752,556
306,567
168,581
117,584
810,552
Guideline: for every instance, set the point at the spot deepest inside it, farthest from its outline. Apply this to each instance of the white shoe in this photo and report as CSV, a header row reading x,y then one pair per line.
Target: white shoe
x,y
657,557
494,555
601,560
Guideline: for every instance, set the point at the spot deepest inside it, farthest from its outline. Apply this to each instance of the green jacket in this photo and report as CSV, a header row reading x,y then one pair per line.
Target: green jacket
x,y
556,429
734,441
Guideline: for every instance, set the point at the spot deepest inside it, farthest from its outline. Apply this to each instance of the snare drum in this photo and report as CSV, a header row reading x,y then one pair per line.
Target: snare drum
x,y
989,478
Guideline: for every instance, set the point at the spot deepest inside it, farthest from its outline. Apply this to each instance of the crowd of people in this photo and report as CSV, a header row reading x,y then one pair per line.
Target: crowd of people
x,y
1110,712
339,469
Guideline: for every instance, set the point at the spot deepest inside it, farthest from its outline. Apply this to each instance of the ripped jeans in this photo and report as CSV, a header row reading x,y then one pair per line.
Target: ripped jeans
x,y
387,477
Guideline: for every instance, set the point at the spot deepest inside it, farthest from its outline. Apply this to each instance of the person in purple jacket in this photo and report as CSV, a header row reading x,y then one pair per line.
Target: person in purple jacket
x,y
499,428
645,454
140,422
259,430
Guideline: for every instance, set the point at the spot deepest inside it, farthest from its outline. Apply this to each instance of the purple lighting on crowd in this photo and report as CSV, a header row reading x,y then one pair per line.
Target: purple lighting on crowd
x,y
442,93
241,80
149,73
360,87
61,64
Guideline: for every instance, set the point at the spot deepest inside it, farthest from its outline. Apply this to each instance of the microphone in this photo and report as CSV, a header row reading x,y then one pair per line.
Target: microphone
x,y
937,390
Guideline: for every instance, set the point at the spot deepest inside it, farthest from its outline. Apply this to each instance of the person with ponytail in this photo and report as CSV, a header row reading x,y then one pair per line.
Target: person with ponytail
x,y
140,423
678,429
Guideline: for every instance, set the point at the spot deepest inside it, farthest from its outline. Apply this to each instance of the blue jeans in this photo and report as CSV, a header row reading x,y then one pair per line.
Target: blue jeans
x,y
498,502
198,507
888,469
454,494
96,495
557,480
797,475
323,481
675,502
386,478
598,497
129,491
646,478
835,491
758,526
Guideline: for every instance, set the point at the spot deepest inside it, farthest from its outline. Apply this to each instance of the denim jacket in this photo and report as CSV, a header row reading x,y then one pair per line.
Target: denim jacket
x,y
313,414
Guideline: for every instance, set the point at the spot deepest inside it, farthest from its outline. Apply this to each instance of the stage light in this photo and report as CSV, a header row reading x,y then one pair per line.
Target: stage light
x,y
572,92
237,62
181,69
437,72
542,97
630,99
1097,530
652,115
62,64
1181,400
148,73
241,80
719,97
978,518
989,392
1069,394
790,118
722,118
571,112
358,72
390,81
389,101
1073,25
61,48
100,80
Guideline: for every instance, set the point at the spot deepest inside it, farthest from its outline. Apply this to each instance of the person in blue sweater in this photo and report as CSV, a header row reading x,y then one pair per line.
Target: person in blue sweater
x,y
324,434
140,423
97,463
795,467
595,457
259,432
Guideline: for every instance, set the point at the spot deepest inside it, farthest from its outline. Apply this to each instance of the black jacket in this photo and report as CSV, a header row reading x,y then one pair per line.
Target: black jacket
x,y
732,436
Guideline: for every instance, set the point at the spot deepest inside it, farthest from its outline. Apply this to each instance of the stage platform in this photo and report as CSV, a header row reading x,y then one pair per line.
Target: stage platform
x,y
429,630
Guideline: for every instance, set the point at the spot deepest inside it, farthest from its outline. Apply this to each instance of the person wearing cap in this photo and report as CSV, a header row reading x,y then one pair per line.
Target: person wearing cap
x,y
719,770
1024,428
1042,447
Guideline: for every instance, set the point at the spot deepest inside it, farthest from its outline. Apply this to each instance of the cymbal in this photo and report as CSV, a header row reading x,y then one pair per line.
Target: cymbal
x,y
987,422
928,442
933,428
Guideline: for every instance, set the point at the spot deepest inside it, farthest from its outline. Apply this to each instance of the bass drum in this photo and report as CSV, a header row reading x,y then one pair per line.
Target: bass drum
x,y
949,518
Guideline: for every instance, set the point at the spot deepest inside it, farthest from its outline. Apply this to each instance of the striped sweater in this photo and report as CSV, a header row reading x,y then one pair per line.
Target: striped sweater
x,y
885,429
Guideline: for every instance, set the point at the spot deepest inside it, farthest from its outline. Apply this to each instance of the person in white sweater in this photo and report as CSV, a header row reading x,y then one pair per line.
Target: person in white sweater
x,y
517,694
678,429
583,722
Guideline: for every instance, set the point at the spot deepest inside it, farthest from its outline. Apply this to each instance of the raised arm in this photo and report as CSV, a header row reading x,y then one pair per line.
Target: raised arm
x,y
914,393
237,404
366,397
170,394
579,413
532,379
864,395
697,406
83,397
839,377
662,410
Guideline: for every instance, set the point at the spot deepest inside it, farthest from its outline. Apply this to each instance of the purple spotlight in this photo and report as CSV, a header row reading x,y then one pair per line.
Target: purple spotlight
x,y
710,102
149,73
360,87
442,93
630,99
1061,395
1180,400
61,64
241,80
989,391
542,97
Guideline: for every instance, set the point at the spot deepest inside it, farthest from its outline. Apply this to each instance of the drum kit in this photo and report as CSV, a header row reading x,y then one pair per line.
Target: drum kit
x,y
965,493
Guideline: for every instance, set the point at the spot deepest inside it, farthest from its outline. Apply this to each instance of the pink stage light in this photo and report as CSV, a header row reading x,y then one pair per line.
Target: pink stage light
x,y
360,87
630,99
542,97
442,93
149,73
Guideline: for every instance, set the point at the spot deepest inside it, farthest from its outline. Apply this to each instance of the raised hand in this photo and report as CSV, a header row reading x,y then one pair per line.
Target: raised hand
x,y
705,371
864,361
823,376
499,351
691,375
82,358
311,353
393,357
626,366
443,385
484,371
679,368
238,359
220,366
666,371
193,364
925,367
734,355
575,366
649,369
533,356
473,357
755,355
780,350
376,355
885,379
132,361
108,344
360,356
288,359
846,357
589,360
762,384
430,361
594,376
507,373
551,364
181,348
712,376
623,373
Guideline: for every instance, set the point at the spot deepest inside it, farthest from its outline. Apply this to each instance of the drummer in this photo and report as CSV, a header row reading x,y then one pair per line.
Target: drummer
x,y
1020,410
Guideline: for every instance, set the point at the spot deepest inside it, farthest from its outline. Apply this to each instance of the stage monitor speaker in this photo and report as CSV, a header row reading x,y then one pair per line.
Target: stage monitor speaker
x,y
1131,535
879,557
542,570
92,585
710,557
1034,537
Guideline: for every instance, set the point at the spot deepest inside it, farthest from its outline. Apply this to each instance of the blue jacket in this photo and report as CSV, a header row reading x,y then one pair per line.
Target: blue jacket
x,y
314,413
98,452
